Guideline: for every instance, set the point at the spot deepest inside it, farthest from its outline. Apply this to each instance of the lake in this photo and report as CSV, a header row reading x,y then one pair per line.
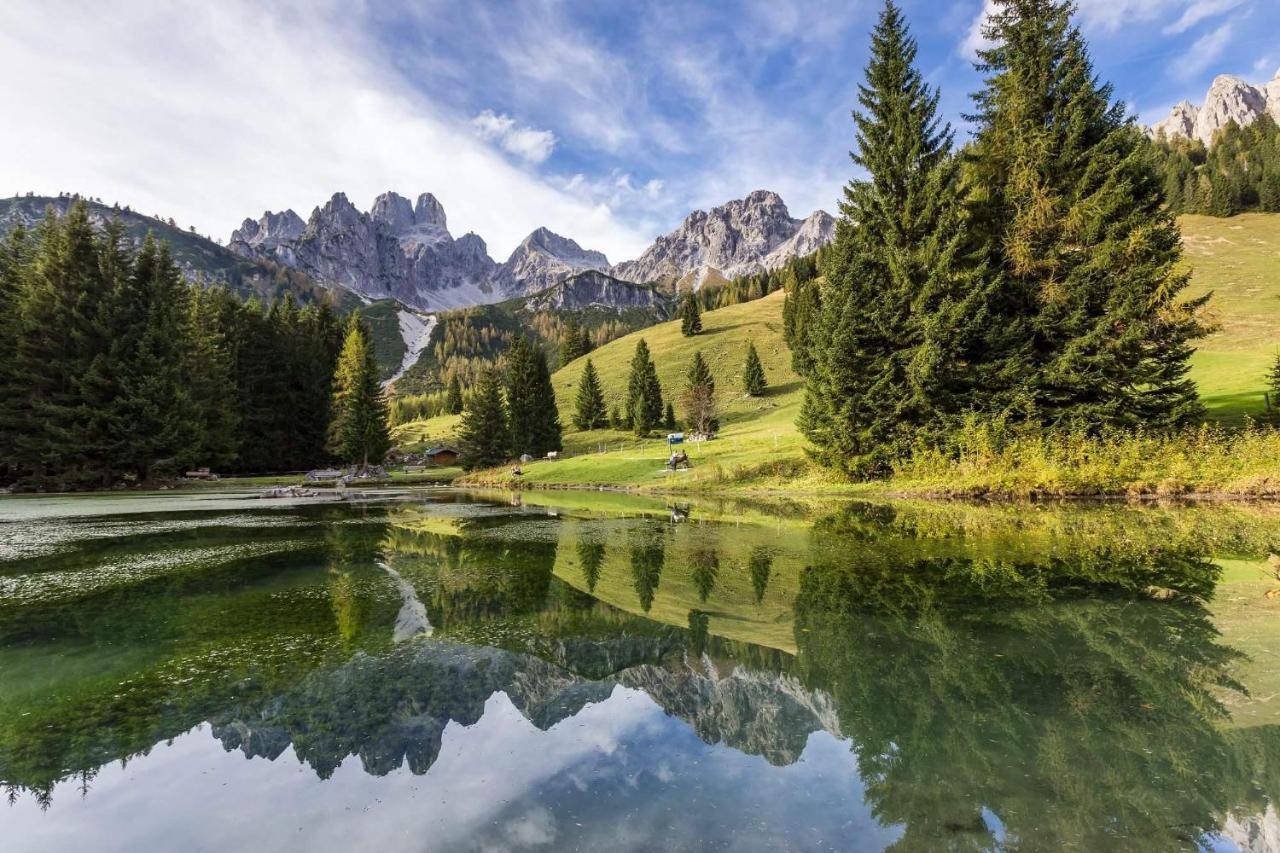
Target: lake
x,y
442,670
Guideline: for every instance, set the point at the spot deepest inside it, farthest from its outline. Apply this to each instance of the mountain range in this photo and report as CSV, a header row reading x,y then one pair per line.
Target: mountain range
x,y
404,251
1229,99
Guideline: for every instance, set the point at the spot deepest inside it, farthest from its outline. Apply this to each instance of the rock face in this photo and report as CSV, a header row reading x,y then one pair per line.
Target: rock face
x,y
734,239
814,233
1229,99
399,250
594,289
404,251
543,259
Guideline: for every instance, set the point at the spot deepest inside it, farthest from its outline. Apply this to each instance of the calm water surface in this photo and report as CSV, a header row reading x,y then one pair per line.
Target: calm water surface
x,y
560,671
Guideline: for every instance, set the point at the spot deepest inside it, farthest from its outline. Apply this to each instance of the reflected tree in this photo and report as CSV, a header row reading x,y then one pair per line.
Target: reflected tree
x,y
1074,696
704,569
591,556
760,566
648,552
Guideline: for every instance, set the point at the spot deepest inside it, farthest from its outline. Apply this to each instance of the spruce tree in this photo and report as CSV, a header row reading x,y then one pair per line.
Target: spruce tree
x,y
690,315
753,381
669,418
533,419
453,399
212,385
895,347
483,432
700,397
1069,199
574,341
64,305
14,249
358,431
589,411
644,392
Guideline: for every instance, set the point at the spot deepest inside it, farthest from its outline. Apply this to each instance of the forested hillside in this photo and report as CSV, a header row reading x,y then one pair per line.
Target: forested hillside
x,y
1238,172
120,370
198,257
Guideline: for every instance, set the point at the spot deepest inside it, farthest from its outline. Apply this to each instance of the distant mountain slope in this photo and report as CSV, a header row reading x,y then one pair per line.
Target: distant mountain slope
x,y
463,341
738,238
404,251
1229,99
198,256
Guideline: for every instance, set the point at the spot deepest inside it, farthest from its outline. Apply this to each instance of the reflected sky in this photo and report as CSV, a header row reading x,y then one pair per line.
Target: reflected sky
x,y
621,772
453,672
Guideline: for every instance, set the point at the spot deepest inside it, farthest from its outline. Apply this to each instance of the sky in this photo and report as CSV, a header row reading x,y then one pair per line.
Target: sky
x,y
604,120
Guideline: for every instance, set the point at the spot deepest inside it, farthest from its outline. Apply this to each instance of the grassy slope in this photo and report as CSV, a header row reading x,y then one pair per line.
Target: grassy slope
x,y
754,431
1237,259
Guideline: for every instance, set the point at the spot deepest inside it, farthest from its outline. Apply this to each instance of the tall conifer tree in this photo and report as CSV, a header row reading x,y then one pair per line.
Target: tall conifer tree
x,y
358,432
890,353
753,381
644,392
1091,286
690,315
589,412
483,433
533,419
453,398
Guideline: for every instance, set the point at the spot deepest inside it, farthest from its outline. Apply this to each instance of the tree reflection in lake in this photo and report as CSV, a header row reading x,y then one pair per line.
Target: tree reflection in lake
x,y
1036,683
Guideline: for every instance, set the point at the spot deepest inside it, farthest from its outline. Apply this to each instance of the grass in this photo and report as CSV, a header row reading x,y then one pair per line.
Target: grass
x,y
1238,260
760,449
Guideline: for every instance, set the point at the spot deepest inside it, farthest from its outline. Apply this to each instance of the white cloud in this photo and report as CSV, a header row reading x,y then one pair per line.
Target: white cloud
x,y
535,146
212,112
1204,53
1201,10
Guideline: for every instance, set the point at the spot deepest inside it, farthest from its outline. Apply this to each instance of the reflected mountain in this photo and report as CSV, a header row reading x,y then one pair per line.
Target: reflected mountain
x,y
1059,682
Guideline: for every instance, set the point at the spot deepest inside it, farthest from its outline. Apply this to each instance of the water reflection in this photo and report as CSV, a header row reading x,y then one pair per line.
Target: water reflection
x,y
966,679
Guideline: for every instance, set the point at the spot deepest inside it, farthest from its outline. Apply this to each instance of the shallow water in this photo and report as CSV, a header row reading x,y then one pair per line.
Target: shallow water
x,y
448,671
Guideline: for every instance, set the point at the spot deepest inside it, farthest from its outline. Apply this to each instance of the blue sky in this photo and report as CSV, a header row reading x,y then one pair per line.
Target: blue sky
x,y
606,121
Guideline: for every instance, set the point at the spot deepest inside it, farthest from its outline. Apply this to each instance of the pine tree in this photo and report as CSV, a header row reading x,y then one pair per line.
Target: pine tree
x,y
690,315
64,305
644,392
894,348
589,411
483,432
14,251
358,431
1071,203
575,341
753,381
700,397
669,418
533,419
212,385
453,400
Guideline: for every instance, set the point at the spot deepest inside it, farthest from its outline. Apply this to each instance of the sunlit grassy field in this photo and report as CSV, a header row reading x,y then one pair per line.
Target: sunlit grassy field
x,y
1237,259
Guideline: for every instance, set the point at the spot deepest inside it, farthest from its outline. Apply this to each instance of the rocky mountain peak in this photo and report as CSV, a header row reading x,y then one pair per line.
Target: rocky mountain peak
x,y
541,260
394,210
734,239
429,213
271,230
1229,99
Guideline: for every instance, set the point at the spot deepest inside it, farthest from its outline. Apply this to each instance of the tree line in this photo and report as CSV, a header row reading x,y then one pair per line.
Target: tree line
x,y
120,370
1238,172
1031,277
